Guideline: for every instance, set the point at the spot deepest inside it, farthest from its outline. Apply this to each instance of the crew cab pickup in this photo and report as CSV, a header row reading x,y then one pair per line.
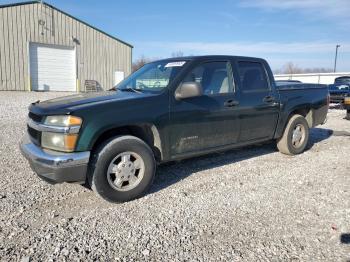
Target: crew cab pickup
x,y
168,110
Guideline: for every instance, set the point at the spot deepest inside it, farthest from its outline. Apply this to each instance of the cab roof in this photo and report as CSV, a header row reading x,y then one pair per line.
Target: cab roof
x,y
212,57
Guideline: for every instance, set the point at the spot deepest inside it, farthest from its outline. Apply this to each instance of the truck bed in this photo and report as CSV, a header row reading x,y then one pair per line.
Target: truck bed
x,y
300,86
295,97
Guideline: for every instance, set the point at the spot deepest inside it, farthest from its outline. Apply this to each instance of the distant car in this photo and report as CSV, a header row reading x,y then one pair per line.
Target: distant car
x,y
340,89
287,82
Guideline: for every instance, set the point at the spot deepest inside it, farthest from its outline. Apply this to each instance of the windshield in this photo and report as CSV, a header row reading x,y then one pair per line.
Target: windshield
x,y
152,77
342,80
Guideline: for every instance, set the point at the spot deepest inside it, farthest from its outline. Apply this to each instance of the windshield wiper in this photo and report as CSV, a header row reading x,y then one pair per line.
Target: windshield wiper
x,y
128,89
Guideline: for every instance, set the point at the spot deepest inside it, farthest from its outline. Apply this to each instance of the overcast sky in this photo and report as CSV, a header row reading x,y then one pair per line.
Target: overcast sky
x,y
301,31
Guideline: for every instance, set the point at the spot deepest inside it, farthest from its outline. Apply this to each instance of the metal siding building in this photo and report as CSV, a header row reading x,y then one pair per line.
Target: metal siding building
x,y
43,48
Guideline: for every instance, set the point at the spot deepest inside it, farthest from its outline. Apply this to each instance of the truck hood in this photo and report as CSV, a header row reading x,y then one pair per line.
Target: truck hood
x,y
66,104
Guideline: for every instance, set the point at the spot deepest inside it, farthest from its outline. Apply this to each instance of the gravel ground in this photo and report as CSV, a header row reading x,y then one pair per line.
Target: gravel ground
x,y
244,205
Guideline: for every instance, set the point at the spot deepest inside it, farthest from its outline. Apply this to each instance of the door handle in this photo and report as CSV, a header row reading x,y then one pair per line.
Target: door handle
x,y
268,99
231,103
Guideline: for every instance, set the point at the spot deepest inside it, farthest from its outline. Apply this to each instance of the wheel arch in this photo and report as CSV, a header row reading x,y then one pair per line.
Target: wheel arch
x,y
148,133
306,112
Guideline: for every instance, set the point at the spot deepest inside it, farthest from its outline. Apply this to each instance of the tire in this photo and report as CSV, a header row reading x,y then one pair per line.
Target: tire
x,y
111,173
287,144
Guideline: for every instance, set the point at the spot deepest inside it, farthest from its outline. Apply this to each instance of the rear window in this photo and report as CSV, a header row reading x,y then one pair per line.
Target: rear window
x,y
253,76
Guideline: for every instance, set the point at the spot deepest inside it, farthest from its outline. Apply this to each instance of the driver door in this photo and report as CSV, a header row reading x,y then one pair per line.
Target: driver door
x,y
208,121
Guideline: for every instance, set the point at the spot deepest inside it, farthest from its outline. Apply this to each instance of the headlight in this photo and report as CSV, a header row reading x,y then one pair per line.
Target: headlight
x,y
59,142
61,133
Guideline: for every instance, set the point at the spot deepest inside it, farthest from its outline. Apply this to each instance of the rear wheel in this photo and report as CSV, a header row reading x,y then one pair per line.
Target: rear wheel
x,y
295,136
122,169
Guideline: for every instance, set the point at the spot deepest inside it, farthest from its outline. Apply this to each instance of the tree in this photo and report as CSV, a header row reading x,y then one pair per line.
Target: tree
x,y
140,62
290,68
177,54
318,70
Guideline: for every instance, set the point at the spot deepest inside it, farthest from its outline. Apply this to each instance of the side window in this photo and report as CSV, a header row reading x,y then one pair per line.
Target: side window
x,y
215,77
252,76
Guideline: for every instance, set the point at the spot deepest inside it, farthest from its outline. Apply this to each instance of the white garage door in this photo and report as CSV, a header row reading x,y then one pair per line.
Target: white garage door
x,y
52,68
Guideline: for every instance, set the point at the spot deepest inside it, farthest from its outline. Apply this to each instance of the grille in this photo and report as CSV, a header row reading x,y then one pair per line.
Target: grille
x,y
35,117
34,135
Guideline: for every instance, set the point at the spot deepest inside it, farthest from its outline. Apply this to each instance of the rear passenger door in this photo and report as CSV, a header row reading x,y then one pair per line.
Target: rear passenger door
x,y
259,109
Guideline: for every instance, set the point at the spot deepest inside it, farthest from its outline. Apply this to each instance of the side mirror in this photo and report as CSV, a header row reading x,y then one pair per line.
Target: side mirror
x,y
188,89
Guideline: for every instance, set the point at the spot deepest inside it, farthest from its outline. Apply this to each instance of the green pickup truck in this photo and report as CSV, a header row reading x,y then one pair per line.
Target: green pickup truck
x,y
168,110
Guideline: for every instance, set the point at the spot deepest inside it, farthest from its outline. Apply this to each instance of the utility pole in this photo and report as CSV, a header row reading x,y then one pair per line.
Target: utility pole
x,y
335,59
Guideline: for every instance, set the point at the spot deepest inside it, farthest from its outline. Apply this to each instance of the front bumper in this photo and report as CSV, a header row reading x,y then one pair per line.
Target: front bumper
x,y
56,167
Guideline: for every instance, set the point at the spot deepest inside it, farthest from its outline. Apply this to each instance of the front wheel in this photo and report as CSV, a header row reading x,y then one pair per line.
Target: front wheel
x,y
295,136
122,169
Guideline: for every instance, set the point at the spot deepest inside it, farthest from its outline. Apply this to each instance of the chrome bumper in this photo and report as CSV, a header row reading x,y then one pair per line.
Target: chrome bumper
x,y
54,166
